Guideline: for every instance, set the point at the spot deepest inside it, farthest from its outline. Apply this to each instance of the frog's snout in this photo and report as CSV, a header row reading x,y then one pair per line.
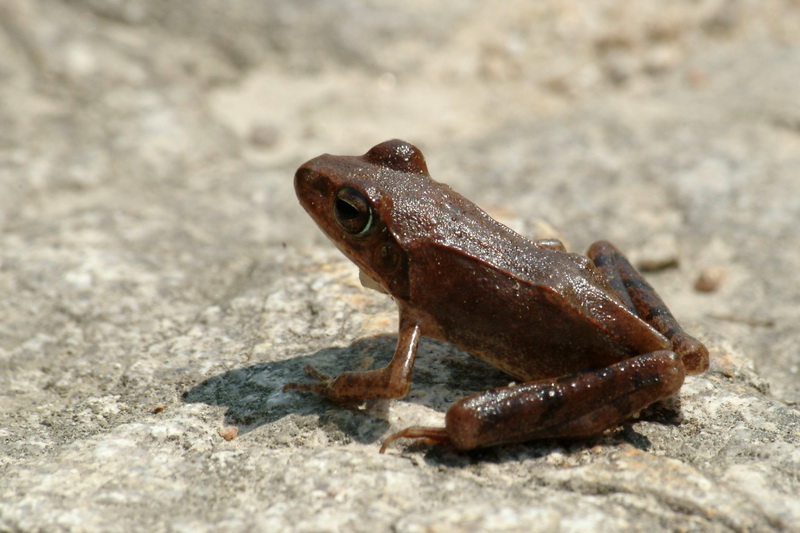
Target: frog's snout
x,y
304,180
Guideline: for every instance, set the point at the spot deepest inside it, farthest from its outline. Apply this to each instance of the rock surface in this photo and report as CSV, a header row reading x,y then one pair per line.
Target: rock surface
x,y
160,284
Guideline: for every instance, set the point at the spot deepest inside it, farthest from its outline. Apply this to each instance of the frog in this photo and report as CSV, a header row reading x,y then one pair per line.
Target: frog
x,y
586,339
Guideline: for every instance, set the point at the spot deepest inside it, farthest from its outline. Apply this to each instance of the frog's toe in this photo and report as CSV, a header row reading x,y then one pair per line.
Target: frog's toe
x,y
314,373
320,386
428,434
301,386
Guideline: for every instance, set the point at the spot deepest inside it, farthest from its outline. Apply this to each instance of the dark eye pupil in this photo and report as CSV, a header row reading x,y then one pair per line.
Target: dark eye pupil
x,y
345,210
352,211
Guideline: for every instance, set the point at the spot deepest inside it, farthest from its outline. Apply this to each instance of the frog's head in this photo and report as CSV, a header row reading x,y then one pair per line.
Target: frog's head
x,y
351,198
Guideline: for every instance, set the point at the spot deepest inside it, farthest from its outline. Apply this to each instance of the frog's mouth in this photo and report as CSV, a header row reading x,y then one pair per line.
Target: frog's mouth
x,y
369,283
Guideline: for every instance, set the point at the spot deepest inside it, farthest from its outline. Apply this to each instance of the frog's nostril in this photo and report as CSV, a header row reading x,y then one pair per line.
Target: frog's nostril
x,y
304,179
302,175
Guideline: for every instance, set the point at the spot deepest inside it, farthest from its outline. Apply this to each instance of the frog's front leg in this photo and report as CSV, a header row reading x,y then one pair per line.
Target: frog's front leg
x,y
579,405
642,299
391,381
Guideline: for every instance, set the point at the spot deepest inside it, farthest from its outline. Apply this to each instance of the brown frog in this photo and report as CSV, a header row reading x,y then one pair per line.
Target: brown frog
x,y
587,338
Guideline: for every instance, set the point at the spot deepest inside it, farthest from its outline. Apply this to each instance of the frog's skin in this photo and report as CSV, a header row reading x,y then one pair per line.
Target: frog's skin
x,y
589,341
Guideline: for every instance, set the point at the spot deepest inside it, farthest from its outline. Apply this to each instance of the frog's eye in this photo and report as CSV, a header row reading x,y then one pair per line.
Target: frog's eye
x,y
353,211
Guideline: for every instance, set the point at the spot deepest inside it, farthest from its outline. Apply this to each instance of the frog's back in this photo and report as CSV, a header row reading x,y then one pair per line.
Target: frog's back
x,y
529,311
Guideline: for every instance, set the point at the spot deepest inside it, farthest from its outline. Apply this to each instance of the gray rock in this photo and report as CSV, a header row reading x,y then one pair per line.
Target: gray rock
x,y
160,284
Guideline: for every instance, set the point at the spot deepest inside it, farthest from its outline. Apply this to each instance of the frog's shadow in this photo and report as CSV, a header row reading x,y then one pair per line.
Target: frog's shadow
x,y
254,395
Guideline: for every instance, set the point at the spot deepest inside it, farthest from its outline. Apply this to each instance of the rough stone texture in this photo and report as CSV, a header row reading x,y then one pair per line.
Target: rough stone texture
x,y
159,282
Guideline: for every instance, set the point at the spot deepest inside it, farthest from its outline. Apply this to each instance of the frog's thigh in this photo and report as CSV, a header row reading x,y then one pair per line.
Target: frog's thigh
x,y
642,299
579,405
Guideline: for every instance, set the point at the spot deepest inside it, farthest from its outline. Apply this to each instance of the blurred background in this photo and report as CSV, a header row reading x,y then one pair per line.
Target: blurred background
x,y
150,238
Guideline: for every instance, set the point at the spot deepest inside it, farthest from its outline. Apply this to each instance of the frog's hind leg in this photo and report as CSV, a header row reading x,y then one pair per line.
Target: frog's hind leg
x,y
578,405
641,298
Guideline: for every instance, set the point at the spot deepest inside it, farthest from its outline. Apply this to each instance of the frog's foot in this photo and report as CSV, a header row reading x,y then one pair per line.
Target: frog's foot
x,y
429,434
320,387
326,386
391,381
352,388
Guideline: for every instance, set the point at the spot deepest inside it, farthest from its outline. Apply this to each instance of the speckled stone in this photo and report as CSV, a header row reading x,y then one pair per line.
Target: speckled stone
x,y
159,283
